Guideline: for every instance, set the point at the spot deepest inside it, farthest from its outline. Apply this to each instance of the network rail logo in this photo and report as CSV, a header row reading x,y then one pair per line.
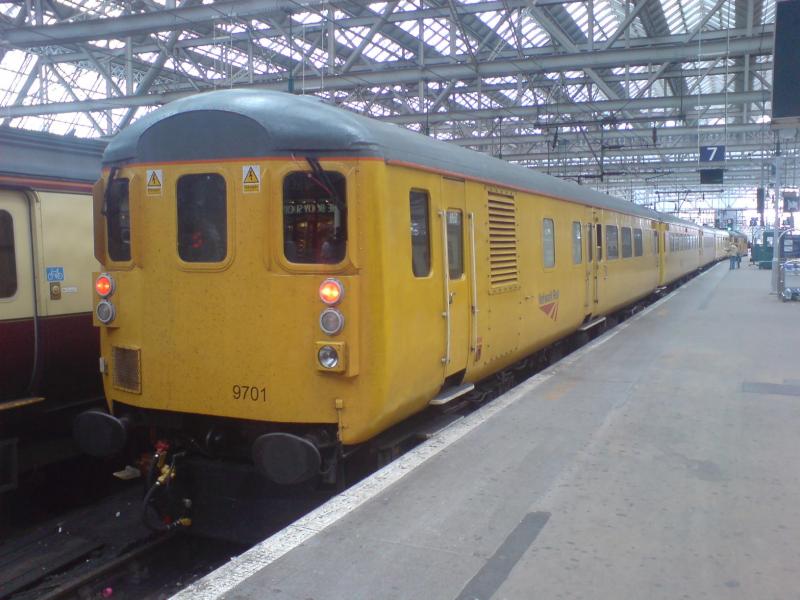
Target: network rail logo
x,y
548,304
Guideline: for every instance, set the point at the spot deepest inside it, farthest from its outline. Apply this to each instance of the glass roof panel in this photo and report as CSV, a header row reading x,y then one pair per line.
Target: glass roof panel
x,y
222,59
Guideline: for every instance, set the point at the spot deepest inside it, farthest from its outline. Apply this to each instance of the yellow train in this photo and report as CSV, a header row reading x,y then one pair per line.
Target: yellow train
x,y
283,279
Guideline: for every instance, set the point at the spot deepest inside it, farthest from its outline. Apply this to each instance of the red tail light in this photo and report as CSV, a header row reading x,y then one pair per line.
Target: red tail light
x,y
104,285
331,291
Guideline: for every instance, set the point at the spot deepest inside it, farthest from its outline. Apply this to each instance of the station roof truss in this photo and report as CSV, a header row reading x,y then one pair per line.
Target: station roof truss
x,y
617,94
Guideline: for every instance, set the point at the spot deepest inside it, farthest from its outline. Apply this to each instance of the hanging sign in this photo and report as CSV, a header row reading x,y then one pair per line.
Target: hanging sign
x,y
712,153
251,178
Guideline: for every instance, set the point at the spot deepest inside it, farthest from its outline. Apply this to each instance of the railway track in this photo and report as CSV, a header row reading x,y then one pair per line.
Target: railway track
x,y
104,551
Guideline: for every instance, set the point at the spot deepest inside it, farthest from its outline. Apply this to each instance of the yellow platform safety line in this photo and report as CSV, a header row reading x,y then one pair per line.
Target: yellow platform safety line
x,y
20,403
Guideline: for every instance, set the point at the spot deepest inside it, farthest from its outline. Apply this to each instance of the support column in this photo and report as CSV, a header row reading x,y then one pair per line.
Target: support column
x,y
777,223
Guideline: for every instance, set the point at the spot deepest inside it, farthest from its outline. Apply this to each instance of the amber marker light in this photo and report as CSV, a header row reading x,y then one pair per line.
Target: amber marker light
x,y
331,291
104,285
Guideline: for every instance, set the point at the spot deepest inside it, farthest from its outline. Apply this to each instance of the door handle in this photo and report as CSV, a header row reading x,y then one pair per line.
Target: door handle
x,y
450,297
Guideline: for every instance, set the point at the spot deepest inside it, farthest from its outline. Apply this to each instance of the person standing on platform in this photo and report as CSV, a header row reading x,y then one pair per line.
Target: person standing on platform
x,y
733,255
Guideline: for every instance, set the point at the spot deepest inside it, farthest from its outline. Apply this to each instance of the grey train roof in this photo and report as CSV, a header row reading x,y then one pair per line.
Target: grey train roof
x,y
48,156
245,123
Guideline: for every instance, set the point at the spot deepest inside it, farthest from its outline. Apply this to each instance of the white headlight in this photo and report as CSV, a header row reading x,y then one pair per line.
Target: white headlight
x,y
331,321
328,357
105,311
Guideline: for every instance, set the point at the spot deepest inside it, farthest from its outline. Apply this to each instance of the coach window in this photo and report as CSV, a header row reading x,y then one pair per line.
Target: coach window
x,y
589,242
612,242
118,220
638,248
202,218
577,248
549,243
420,234
8,259
655,242
455,243
314,217
599,242
627,245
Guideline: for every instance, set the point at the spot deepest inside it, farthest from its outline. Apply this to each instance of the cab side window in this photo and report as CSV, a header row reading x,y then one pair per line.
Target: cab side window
x,y
118,220
202,218
8,260
455,243
314,217
420,234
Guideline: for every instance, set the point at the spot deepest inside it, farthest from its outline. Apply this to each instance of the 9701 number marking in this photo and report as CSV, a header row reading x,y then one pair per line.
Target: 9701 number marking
x,y
249,392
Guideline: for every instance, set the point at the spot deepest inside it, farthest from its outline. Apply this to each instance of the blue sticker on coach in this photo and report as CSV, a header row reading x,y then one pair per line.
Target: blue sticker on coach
x,y
55,273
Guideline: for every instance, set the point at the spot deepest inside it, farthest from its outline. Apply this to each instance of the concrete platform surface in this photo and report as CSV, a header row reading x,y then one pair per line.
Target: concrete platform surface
x,y
660,462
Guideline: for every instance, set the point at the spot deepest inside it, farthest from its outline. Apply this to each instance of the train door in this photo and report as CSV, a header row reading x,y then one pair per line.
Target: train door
x,y
456,283
597,259
661,248
590,281
17,307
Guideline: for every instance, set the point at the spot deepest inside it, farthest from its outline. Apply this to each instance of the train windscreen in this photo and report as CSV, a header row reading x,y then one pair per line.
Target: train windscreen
x,y
202,218
314,217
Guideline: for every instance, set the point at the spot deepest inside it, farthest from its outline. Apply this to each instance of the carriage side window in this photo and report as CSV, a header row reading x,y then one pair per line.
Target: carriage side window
x,y
589,242
655,242
577,247
638,247
420,234
202,218
599,242
612,242
455,243
314,217
627,245
118,220
549,242
8,259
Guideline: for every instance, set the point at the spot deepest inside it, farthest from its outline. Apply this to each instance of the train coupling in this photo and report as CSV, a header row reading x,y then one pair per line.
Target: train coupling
x,y
99,433
163,499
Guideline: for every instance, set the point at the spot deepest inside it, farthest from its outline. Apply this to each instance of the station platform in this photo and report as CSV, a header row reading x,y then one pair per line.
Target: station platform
x,y
660,461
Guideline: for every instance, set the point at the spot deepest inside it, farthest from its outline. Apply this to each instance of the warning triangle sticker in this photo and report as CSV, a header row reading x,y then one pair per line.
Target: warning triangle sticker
x,y
153,181
251,176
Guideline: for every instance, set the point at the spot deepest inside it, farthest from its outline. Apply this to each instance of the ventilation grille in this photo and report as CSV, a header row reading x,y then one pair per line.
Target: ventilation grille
x,y
503,269
127,369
